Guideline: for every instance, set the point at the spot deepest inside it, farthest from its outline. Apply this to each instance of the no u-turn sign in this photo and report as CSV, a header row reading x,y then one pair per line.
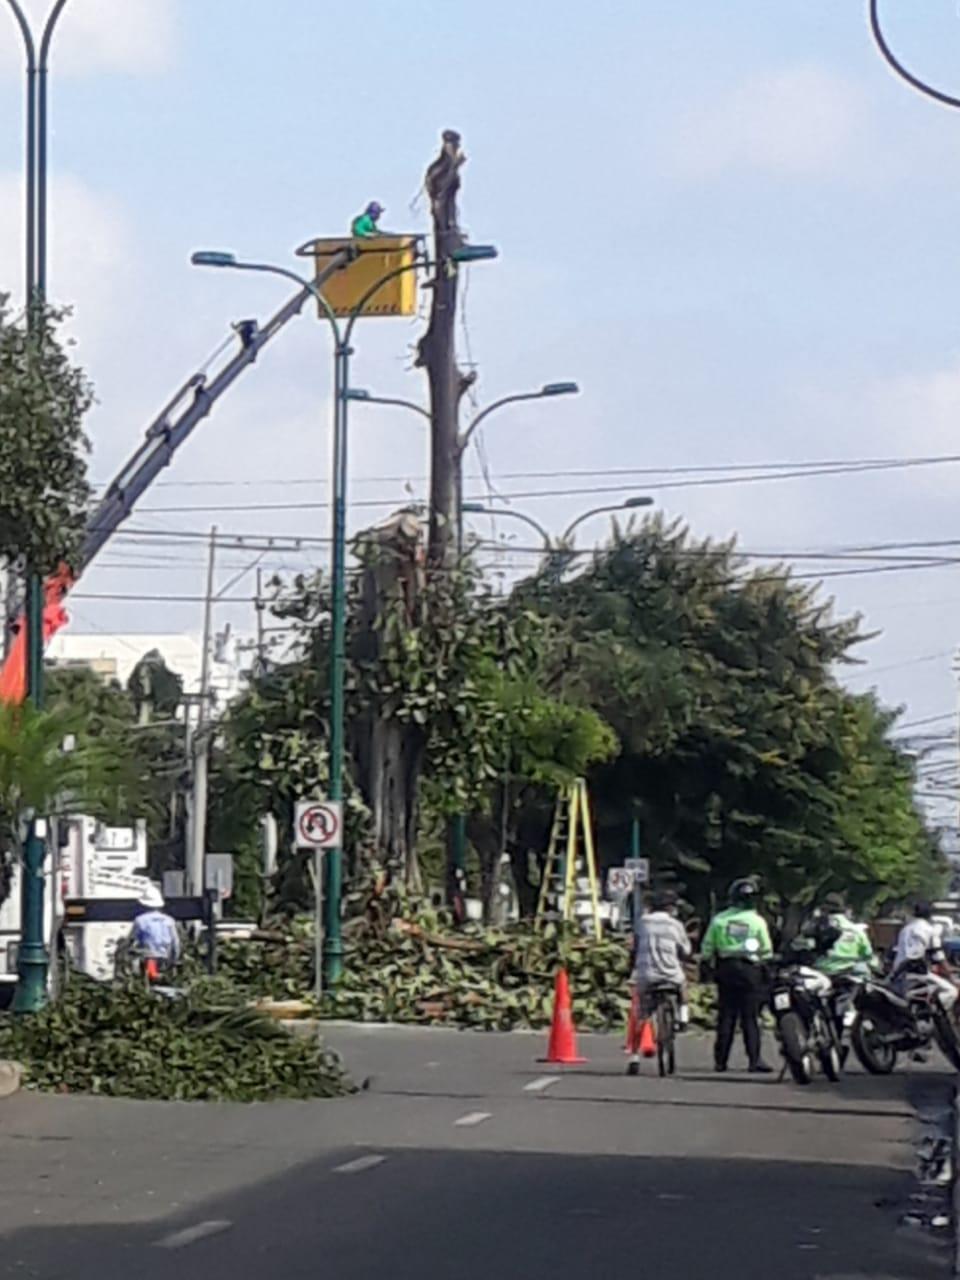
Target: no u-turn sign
x,y
318,824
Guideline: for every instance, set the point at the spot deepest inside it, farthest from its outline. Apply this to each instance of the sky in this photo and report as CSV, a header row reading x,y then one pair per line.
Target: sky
x,y
730,224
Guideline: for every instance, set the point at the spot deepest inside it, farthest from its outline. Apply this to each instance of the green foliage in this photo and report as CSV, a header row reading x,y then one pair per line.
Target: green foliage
x,y
127,1042
148,759
43,486
740,752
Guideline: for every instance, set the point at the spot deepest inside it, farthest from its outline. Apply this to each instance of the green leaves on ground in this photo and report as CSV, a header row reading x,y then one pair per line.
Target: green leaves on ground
x,y
127,1042
416,969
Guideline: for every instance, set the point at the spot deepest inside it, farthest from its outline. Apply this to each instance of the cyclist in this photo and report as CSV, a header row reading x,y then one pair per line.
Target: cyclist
x,y
660,946
154,934
736,944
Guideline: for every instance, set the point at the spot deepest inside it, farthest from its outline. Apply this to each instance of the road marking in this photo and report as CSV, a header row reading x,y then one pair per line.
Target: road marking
x,y
472,1118
361,1163
189,1235
544,1082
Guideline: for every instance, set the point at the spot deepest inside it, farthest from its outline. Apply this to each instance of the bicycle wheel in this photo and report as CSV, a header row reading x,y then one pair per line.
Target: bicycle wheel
x,y
666,1030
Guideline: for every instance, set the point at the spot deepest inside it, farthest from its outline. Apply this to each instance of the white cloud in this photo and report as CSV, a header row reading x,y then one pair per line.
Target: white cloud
x,y
95,36
796,122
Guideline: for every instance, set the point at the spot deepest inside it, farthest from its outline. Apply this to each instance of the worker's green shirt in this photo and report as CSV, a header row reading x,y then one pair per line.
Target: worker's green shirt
x,y
364,226
852,948
738,931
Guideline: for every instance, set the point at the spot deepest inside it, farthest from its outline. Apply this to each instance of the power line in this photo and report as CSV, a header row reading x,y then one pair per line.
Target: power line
x,y
823,466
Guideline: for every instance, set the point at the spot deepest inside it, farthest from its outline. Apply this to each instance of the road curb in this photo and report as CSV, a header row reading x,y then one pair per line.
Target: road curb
x,y
11,1075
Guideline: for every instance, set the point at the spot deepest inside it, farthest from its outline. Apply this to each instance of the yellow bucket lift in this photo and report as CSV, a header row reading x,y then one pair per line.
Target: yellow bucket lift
x,y
377,256
570,856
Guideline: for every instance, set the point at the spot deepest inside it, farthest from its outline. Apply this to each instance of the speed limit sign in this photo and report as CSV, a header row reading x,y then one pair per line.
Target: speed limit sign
x,y
318,824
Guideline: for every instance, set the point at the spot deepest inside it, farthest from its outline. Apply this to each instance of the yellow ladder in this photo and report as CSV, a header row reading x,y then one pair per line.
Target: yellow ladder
x,y
572,829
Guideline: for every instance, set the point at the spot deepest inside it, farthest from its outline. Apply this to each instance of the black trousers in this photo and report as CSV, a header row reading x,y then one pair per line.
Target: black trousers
x,y
740,989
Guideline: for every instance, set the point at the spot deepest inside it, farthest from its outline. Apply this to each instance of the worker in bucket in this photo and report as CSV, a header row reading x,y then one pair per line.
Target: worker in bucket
x,y
364,226
154,935
661,945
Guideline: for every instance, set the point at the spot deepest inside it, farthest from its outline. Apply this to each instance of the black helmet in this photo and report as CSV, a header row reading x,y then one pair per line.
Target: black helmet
x,y
922,910
663,900
743,893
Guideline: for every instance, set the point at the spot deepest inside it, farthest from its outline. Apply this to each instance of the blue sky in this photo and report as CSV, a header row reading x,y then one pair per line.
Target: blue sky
x,y
729,222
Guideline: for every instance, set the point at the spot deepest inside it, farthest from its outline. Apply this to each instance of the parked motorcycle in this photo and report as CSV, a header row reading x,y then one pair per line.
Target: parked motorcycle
x,y
889,1023
800,999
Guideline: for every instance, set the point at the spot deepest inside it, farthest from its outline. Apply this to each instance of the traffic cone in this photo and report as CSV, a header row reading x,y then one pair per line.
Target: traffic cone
x,y
648,1039
562,1046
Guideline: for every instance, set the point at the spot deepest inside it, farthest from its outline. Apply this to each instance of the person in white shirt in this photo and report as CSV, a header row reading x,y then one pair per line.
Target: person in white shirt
x,y
919,946
660,946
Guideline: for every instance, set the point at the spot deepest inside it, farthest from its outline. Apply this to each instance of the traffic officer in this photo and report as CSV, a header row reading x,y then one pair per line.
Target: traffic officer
x,y
852,950
736,944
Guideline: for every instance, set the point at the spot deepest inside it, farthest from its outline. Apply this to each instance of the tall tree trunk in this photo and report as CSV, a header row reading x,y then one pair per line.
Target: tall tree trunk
x,y
388,752
437,354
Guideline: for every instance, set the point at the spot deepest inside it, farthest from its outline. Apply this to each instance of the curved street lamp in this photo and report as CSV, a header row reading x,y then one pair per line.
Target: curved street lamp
x,y
32,953
547,391
332,939
550,545
894,62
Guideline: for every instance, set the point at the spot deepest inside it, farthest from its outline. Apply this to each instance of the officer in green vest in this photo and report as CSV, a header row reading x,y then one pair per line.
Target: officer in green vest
x,y
736,945
852,951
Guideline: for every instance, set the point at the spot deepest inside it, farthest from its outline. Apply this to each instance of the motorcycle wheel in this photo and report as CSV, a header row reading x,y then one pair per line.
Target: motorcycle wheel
x,y
875,1056
793,1041
828,1053
946,1033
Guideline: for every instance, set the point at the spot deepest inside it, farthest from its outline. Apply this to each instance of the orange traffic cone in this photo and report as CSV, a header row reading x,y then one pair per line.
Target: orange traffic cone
x,y
648,1039
562,1046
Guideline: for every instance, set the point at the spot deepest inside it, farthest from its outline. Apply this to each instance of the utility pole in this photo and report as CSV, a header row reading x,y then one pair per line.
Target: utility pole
x,y
261,640
197,836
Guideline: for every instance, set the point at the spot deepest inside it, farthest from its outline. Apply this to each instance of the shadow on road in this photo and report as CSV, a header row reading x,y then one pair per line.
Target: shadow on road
x,y
425,1214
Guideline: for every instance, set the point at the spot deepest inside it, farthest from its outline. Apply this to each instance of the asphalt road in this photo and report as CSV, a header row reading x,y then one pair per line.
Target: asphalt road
x,y
466,1158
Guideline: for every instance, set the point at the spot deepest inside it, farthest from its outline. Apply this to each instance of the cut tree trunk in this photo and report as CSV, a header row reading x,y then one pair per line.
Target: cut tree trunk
x,y
437,354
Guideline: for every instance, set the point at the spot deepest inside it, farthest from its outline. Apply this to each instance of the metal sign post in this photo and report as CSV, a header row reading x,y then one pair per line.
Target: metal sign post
x,y
317,825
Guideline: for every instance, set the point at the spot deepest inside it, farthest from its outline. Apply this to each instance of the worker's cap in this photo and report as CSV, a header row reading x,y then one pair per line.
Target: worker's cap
x,y
374,209
834,902
151,898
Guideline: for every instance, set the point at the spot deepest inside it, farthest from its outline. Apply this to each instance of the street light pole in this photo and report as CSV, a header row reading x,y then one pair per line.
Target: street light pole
x,y
32,954
333,879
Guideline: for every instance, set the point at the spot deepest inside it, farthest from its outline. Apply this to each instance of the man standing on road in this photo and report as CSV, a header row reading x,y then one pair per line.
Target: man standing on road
x,y
736,944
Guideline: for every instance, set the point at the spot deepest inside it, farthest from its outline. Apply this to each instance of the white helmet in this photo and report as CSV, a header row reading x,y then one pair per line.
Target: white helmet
x,y
152,898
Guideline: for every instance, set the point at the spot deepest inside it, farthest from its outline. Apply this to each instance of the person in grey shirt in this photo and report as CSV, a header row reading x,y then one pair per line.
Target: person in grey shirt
x,y
660,946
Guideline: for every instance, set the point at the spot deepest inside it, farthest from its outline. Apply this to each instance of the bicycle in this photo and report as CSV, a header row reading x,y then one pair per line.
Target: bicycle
x,y
659,1006
665,1013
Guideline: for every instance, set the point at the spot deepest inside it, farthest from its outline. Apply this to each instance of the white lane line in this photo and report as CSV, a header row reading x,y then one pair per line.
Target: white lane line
x,y
538,1086
361,1163
472,1118
190,1235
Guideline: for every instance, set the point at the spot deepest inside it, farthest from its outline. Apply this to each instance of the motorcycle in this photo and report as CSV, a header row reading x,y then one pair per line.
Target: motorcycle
x,y
890,1022
800,999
